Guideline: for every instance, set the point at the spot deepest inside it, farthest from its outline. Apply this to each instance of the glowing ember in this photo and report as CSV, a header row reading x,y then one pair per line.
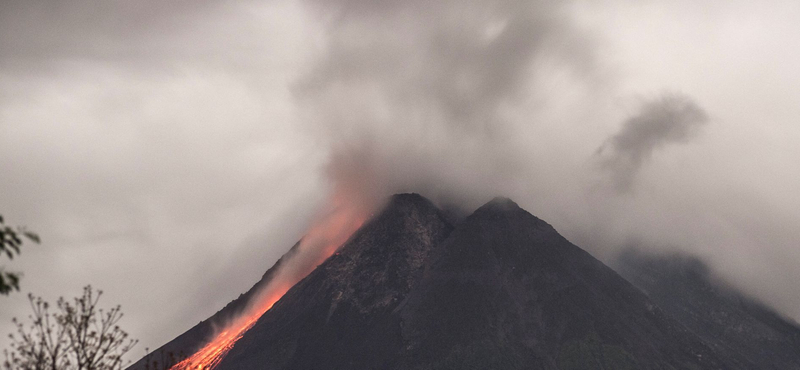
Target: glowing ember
x,y
321,241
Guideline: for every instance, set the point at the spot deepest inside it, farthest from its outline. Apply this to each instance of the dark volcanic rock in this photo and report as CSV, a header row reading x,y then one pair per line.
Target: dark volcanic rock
x,y
341,315
737,327
506,291
500,289
503,290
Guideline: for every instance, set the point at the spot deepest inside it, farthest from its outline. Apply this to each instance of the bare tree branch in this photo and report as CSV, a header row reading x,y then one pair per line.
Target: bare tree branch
x,y
77,336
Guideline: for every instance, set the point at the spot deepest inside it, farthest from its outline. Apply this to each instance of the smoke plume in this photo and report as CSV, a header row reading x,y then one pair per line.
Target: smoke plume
x,y
422,96
463,101
670,119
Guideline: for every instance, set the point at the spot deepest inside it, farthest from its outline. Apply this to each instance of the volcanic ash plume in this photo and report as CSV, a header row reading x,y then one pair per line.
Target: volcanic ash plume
x,y
671,119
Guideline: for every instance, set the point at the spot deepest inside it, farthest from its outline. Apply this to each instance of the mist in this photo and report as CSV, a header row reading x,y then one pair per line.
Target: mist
x,y
509,98
512,98
194,144
670,119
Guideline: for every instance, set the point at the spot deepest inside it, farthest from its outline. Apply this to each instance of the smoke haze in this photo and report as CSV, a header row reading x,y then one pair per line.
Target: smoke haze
x,y
430,101
670,119
195,143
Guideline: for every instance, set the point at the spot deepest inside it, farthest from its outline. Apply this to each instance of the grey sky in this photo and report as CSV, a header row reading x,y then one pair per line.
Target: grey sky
x,y
169,154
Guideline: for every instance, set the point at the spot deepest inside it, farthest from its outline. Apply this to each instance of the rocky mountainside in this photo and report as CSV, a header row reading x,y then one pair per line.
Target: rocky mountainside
x,y
189,341
499,289
506,291
737,327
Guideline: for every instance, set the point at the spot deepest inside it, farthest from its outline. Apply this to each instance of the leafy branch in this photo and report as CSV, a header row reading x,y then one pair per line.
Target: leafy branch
x,y
11,239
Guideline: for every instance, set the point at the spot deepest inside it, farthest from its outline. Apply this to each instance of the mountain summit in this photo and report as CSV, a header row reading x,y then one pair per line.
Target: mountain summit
x,y
500,289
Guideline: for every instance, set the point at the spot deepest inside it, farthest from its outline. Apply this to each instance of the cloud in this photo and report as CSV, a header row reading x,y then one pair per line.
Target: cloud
x,y
667,120
419,94
152,143
463,101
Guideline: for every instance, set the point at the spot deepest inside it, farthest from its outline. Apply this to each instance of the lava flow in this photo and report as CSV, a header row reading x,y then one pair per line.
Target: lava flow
x,y
212,353
321,241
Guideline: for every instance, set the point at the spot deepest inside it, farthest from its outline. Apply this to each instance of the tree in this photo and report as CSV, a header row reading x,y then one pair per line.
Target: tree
x,y
10,243
77,336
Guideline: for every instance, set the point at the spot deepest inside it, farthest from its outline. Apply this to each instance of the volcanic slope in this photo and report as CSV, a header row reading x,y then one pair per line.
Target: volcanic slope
x,y
342,315
193,339
739,328
500,290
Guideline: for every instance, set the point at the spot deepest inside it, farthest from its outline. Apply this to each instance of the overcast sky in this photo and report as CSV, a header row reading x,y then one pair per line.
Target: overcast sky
x,y
169,152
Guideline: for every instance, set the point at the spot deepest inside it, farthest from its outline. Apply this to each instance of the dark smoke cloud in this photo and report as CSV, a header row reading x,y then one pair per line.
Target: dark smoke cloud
x,y
419,95
669,119
451,63
463,101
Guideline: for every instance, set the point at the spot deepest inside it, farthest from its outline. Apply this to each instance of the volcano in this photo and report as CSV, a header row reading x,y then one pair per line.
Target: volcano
x,y
415,288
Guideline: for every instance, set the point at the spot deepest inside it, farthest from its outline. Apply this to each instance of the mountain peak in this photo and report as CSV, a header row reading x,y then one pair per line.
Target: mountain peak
x,y
497,289
404,200
501,204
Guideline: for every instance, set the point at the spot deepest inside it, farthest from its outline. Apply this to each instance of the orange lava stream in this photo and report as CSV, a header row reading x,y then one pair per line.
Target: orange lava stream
x,y
321,241
210,356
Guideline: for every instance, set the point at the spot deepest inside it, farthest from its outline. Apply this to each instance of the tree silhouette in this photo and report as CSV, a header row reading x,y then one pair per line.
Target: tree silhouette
x,y
10,243
76,336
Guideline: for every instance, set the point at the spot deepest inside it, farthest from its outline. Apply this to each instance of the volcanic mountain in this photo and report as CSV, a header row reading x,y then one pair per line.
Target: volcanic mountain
x,y
498,289
739,328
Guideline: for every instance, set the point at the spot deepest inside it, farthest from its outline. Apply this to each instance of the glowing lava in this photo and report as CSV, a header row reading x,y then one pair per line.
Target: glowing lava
x,y
212,353
321,241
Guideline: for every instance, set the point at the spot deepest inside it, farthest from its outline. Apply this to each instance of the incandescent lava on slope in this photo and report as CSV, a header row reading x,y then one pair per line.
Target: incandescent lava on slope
x,y
319,243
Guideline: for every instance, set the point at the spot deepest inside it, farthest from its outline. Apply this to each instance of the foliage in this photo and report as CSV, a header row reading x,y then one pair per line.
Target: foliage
x,y
10,243
77,335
